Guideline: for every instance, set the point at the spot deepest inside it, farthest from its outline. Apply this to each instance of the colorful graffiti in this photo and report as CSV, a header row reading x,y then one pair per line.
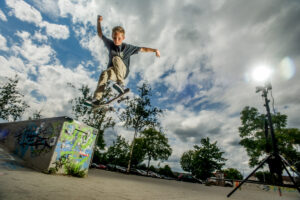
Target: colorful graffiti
x,y
76,143
278,189
37,138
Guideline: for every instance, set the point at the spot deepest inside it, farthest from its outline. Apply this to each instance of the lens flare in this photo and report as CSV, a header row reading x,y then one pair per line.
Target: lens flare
x,y
287,68
261,73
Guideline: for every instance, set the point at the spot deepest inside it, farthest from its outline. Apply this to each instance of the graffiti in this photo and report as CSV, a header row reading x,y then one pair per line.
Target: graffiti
x,y
39,139
65,144
3,134
76,142
278,189
10,165
5,156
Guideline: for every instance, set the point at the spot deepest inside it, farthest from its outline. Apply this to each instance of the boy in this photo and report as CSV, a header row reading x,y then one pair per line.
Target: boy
x,y
119,60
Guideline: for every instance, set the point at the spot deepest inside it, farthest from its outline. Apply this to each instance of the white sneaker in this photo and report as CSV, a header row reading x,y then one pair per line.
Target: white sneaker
x,y
119,88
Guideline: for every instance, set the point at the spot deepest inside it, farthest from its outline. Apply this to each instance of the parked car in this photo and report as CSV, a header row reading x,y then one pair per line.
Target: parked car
x,y
211,181
137,172
153,174
228,184
121,169
167,177
111,167
188,178
93,165
142,172
98,166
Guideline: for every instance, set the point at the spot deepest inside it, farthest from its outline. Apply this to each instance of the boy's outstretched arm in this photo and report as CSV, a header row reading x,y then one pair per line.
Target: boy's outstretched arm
x,y
146,49
99,29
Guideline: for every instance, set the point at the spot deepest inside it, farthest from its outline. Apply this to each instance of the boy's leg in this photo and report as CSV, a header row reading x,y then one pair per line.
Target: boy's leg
x,y
115,73
119,69
106,75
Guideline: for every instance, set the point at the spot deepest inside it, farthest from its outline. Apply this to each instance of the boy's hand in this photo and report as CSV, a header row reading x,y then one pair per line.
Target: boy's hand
x,y
100,18
157,53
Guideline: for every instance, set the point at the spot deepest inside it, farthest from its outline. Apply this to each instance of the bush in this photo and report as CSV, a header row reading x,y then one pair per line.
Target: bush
x,y
74,170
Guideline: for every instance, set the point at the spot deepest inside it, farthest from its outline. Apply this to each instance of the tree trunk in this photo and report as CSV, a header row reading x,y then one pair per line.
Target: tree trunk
x,y
131,151
148,165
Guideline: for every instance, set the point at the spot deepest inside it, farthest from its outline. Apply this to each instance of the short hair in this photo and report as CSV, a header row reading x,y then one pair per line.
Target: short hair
x,y
119,29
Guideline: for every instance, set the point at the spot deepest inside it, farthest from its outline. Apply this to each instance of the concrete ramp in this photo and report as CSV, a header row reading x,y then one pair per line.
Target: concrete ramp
x,y
50,144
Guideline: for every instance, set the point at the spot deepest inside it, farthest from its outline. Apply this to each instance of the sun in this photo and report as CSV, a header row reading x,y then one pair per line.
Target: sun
x,y
261,73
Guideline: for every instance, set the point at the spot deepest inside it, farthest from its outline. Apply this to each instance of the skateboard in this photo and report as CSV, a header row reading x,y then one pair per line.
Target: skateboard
x,y
119,98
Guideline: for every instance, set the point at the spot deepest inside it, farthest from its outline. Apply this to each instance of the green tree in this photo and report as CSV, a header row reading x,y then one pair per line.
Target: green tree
x,y
203,160
140,113
99,119
232,173
36,115
186,161
264,176
138,155
166,170
156,145
118,153
253,137
12,105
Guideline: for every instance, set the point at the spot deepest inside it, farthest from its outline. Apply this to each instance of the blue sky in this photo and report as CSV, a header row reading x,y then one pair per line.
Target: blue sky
x,y
202,80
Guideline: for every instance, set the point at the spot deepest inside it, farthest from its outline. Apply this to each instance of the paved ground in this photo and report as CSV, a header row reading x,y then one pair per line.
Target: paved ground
x,y
18,183
27,184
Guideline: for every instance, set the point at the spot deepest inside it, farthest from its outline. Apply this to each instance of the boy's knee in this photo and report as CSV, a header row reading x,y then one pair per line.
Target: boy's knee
x,y
116,58
104,73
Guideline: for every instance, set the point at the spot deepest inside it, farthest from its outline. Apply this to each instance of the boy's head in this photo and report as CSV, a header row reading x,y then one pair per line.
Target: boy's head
x,y
118,35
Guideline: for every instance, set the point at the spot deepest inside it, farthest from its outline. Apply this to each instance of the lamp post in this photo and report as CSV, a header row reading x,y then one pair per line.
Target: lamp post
x,y
276,162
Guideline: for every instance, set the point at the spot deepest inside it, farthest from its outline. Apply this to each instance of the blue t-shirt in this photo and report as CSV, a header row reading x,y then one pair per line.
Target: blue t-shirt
x,y
124,51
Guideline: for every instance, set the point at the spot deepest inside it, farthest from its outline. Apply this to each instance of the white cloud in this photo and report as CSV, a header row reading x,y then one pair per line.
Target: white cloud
x,y
3,45
39,36
56,30
35,54
12,65
47,7
2,16
28,13
51,85
24,11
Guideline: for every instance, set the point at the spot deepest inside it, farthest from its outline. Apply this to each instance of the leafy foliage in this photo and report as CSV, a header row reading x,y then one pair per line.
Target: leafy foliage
x,y
36,115
232,173
74,170
166,170
138,154
203,160
155,145
12,106
117,154
264,177
257,145
140,113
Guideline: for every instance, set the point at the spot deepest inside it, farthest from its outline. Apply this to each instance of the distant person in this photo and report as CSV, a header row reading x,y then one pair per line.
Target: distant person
x,y
119,60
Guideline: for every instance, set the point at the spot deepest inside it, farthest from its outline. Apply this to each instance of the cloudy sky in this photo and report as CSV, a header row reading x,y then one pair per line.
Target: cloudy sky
x,y
203,79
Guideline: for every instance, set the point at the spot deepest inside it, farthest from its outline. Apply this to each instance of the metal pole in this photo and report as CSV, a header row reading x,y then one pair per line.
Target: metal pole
x,y
274,141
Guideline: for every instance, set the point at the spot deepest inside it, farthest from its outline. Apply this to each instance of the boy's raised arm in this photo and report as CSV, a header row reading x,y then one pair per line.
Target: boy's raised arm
x,y
146,49
99,29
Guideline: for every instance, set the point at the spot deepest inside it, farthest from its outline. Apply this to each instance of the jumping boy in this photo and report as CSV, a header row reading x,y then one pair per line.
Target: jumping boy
x,y
119,60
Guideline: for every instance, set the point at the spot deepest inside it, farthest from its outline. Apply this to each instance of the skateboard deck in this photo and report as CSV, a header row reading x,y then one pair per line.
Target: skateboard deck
x,y
119,99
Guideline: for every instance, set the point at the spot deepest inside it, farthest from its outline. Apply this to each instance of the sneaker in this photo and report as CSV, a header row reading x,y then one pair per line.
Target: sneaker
x,y
119,88
95,102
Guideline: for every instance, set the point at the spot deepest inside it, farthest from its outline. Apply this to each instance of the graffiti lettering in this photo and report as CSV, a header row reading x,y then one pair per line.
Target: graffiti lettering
x,y
39,139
